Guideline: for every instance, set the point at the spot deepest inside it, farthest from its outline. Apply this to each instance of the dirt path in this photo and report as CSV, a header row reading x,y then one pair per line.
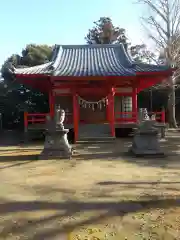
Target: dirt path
x,y
101,190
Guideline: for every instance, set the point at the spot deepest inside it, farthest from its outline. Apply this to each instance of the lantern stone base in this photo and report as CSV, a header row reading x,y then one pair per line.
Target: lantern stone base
x,y
145,141
56,145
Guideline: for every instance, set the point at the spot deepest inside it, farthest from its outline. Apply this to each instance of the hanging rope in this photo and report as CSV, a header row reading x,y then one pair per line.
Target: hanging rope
x,y
100,103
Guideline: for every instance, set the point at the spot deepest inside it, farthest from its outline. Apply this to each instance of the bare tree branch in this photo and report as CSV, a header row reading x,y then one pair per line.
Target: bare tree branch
x,y
163,27
154,8
158,42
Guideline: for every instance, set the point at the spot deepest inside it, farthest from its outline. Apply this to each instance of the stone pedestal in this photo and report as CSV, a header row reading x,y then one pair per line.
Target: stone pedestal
x,y
145,141
56,145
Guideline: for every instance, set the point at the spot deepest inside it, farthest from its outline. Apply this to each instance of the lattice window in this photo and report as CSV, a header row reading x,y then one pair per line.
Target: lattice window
x,y
127,106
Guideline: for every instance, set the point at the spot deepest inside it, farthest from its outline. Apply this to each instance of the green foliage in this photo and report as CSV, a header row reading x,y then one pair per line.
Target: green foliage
x,y
34,55
16,98
104,32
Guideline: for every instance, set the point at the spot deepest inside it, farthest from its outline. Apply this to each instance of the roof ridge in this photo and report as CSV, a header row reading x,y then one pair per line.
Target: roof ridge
x,y
90,60
56,56
89,45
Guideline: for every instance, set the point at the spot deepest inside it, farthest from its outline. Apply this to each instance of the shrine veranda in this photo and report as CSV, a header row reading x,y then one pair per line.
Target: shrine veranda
x,y
94,84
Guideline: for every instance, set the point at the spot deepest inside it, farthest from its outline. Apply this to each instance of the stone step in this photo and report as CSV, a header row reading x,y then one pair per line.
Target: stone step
x,y
91,140
94,131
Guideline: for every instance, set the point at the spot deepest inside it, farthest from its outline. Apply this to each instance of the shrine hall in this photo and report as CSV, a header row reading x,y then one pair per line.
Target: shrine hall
x,y
96,85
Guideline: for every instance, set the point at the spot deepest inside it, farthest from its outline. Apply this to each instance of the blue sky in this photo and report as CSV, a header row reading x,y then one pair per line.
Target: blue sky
x,y
61,21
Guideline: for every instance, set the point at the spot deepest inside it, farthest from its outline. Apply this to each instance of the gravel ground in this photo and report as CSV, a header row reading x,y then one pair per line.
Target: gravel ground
x,y
101,191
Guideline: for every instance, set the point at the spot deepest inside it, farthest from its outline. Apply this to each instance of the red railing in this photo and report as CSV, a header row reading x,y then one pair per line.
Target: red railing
x,y
126,117
160,116
132,117
35,118
120,117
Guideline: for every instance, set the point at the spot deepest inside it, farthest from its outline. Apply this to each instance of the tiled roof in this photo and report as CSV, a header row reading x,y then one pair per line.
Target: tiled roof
x,y
143,67
40,69
91,60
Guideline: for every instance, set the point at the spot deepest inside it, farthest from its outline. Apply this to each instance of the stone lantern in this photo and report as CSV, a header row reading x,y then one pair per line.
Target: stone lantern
x,y
56,144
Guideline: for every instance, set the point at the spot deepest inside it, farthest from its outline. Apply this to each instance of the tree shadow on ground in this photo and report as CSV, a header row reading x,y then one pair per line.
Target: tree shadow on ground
x,y
135,183
108,187
171,148
70,208
103,151
16,164
20,148
118,150
11,158
97,156
19,159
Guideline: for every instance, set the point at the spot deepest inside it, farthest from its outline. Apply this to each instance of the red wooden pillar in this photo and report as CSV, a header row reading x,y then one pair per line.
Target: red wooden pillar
x,y
51,103
108,110
163,117
25,121
134,104
111,117
75,116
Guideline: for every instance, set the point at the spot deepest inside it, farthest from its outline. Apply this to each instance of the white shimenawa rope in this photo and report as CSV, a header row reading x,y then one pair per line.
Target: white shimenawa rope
x,y
84,103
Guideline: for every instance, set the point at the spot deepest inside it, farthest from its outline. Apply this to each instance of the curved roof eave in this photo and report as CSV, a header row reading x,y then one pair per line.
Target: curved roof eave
x,y
45,68
90,60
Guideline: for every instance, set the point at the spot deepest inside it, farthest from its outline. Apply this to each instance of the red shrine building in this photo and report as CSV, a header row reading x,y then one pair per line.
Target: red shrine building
x,y
96,85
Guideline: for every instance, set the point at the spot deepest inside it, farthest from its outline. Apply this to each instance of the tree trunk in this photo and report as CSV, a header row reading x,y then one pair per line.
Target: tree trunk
x,y
172,106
